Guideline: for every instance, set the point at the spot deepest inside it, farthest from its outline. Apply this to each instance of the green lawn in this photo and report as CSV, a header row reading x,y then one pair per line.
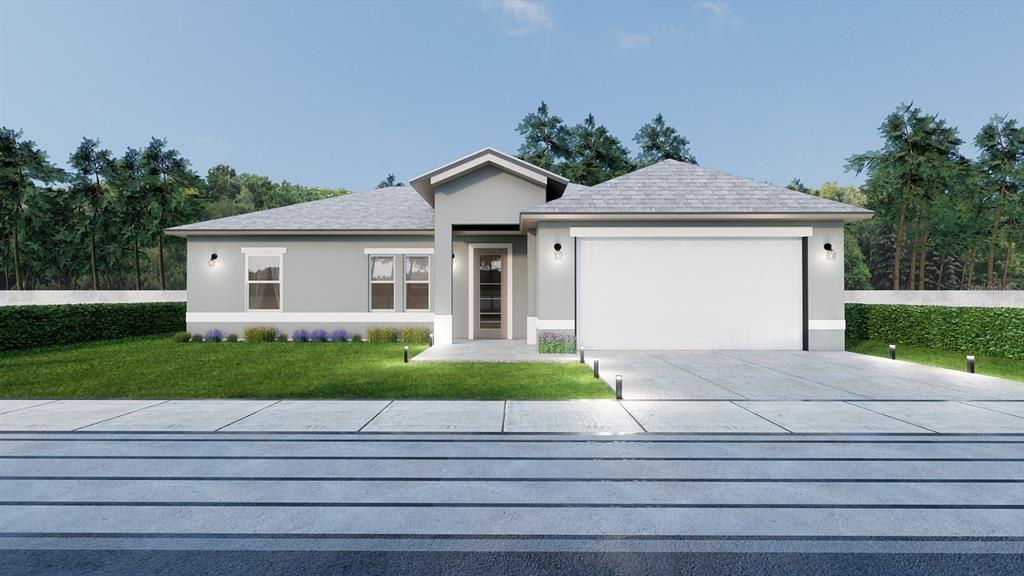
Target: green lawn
x,y
158,367
990,365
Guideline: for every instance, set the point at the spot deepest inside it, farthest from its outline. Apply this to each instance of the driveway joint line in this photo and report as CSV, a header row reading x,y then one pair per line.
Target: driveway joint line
x,y
120,415
43,403
790,374
631,416
893,417
698,376
274,403
733,402
379,412
971,403
504,411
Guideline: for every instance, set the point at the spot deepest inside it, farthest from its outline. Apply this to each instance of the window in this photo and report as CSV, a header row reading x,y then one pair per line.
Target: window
x,y
417,282
382,282
263,281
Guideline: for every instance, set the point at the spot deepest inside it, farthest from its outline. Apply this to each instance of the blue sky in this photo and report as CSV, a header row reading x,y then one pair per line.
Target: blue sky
x,y
340,94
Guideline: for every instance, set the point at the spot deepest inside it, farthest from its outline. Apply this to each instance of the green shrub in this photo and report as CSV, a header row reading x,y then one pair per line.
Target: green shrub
x,y
416,335
182,337
384,335
259,334
232,337
282,337
981,331
197,337
31,326
356,338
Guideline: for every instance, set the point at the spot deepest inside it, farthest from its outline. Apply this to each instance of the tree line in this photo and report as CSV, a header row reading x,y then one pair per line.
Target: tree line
x,y
99,224
943,220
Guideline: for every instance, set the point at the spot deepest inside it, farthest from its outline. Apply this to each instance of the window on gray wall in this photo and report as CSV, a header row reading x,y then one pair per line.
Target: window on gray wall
x,y
417,282
263,281
382,282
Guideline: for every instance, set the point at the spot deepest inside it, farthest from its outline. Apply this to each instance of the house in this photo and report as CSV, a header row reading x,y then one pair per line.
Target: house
x,y
671,256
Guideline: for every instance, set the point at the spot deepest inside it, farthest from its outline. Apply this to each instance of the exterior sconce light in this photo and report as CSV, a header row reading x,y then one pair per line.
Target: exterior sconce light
x,y
213,260
829,252
558,250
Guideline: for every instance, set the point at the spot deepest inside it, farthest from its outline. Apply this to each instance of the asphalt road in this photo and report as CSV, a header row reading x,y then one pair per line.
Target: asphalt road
x,y
174,503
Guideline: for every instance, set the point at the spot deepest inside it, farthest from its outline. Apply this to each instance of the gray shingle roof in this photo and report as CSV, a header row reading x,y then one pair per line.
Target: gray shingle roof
x,y
395,208
676,187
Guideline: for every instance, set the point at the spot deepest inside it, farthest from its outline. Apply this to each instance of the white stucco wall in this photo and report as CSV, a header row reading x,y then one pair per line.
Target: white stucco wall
x,y
43,297
955,298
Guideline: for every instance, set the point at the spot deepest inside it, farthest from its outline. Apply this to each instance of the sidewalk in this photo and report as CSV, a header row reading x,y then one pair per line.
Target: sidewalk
x,y
555,416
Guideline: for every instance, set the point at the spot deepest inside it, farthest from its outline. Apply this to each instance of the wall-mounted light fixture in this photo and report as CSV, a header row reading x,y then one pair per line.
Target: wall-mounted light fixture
x,y
558,250
213,260
829,252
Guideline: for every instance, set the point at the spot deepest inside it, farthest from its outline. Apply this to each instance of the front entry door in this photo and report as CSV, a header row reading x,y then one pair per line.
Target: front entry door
x,y
490,293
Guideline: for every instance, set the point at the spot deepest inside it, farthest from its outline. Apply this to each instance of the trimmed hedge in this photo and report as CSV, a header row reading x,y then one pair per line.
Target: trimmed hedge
x,y
982,331
32,326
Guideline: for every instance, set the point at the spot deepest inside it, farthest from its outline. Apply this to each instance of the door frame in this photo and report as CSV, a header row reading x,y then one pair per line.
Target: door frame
x,y
511,287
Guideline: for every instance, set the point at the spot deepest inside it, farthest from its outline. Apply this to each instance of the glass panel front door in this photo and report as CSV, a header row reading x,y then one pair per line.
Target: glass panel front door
x,y
490,294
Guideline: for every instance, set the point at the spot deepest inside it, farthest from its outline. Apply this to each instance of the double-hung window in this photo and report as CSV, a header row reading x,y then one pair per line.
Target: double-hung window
x,y
263,281
382,283
417,282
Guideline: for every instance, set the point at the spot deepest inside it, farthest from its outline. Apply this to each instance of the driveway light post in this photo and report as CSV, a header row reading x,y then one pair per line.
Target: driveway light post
x,y
405,354
892,351
597,371
618,386
582,357
970,364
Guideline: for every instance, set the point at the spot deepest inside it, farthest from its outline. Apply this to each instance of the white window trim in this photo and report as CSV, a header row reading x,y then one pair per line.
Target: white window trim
x,y
263,250
390,251
393,282
279,252
406,282
511,286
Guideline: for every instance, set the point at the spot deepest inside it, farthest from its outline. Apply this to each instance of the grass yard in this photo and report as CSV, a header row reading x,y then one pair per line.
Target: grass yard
x,y
158,367
989,365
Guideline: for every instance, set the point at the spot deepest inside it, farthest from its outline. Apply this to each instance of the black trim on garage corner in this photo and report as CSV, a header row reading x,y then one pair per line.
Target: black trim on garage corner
x,y
803,257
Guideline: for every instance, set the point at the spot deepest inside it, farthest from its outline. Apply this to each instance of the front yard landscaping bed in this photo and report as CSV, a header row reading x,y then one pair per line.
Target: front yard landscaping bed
x,y
158,367
1011,368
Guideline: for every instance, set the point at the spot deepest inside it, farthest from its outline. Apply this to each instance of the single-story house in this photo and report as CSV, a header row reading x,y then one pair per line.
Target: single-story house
x,y
670,256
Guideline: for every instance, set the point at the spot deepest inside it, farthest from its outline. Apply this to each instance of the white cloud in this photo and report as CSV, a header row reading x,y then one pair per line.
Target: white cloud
x,y
721,14
628,41
522,16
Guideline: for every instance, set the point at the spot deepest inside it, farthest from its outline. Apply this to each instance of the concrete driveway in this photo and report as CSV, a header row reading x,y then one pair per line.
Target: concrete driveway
x,y
669,375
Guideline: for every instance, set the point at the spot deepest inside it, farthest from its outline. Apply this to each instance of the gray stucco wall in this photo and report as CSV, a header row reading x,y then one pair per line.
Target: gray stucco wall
x,y
320,274
556,279
482,197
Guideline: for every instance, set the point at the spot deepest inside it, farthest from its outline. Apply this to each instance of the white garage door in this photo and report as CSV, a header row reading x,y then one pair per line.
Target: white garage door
x,y
690,294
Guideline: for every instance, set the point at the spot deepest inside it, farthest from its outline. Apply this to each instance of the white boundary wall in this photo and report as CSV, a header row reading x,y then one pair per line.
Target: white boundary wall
x,y
37,297
955,298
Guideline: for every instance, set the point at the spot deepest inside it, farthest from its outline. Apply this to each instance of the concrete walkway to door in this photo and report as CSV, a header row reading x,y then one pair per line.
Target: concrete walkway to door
x,y
731,375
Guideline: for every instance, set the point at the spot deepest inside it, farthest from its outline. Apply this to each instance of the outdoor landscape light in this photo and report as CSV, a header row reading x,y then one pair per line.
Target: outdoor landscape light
x,y
829,252
213,260
558,250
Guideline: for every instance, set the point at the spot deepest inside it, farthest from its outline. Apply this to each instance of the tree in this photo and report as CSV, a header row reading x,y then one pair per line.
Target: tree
x,y
1001,164
658,141
128,179
545,139
389,182
918,160
169,180
91,164
595,155
22,166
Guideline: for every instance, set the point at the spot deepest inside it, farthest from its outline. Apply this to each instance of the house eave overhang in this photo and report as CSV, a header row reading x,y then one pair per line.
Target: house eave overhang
x,y
529,219
298,232
426,183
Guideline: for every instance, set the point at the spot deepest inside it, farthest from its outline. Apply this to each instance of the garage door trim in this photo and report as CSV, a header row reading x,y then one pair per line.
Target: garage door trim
x,y
693,232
